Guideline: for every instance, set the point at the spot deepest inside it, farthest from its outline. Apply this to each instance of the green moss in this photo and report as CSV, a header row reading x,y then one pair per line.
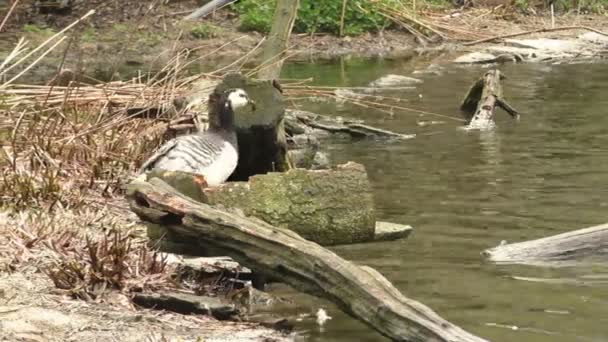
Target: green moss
x,y
89,35
38,30
204,31
120,27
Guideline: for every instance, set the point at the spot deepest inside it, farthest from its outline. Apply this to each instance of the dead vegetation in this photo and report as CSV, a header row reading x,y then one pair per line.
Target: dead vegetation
x,y
86,255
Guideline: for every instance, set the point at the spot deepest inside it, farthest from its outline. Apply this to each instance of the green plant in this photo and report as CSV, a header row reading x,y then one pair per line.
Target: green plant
x,y
255,15
120,27
35,29
315,16
203,31
89,35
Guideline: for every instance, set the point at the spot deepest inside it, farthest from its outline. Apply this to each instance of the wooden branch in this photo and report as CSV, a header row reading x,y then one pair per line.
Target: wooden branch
x,y
187,304
301,122
511,35
589,244
482,98
507,108
484,94
282,254
208,8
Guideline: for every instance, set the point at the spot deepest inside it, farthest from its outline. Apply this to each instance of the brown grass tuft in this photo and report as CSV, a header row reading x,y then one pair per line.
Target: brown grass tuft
x,y
84,254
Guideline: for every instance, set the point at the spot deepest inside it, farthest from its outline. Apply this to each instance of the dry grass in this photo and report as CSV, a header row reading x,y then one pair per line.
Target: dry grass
x,y
65,144
471,24
85,254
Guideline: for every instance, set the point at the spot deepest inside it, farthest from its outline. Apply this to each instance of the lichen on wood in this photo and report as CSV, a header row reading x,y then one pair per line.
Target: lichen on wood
x,y
326,206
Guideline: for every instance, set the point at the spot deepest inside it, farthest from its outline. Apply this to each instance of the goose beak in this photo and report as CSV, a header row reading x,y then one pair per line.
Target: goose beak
x,y
252,103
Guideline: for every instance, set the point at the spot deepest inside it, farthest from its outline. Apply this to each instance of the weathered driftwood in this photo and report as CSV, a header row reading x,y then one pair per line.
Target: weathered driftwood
x,y
282,254
208,270
326,206
303,122
589,245
482,98
209,7
186,304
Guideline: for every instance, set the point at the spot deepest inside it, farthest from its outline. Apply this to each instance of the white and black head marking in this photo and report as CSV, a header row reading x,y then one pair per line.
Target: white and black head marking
x,y
238,98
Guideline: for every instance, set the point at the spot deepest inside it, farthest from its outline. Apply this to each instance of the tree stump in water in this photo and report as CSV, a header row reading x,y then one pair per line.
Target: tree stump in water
x,y
482,98
261,136
282,254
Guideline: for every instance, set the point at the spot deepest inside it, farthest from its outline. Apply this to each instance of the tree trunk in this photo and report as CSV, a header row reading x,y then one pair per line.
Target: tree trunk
x,y
282,254
276,46
482,98
589,244
261,137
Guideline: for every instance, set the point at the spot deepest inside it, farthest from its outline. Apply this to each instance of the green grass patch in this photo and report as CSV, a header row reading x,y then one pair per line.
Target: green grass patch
x,y
38,30
204,31
316,16
89,35
120,27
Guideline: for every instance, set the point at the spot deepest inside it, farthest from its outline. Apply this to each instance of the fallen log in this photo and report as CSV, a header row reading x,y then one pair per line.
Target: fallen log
x,y
481,100
326,206
583,245
282,254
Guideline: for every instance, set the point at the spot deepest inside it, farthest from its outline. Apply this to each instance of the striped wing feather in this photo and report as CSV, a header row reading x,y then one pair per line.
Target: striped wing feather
x,y
207,154
160,153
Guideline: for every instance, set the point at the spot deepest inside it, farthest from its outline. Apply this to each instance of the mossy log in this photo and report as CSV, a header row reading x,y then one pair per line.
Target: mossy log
x,y
482,98
583,245
326,206
282,254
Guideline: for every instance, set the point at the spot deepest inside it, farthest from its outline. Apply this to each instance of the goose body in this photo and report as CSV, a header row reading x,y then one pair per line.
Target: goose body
x,y
212,154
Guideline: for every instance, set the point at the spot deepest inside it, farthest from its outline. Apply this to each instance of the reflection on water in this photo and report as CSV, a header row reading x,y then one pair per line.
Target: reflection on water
x,y
466,191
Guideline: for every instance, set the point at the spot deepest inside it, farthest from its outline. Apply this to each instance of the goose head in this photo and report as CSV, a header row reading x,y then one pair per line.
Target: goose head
x,y
230,101
238,98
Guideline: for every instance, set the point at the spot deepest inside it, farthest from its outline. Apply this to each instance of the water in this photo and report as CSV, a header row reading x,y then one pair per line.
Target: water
x,y
466,191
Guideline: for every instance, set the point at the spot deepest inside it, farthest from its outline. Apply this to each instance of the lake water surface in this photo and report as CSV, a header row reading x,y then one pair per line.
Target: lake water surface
x,y
464,192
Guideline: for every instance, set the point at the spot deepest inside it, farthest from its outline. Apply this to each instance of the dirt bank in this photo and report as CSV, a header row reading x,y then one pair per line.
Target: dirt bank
x,y
32,308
